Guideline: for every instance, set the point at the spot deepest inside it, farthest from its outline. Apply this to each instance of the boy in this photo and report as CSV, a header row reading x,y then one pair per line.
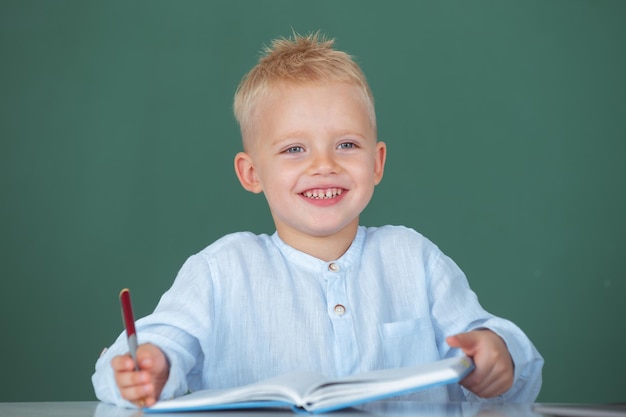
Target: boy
x,y
322,293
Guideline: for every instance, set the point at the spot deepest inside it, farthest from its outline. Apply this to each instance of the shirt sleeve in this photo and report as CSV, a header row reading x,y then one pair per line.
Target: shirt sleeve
x,y
182,315
455,309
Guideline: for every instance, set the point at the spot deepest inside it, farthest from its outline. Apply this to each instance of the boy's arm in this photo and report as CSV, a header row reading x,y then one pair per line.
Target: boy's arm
x,y
176,326
456,310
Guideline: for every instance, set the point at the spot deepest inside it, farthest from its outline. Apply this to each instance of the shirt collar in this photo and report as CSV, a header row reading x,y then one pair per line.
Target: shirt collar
x,y
303,260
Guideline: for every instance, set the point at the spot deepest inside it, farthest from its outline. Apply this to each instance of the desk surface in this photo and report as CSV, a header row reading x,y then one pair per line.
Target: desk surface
x,y
391,408
381,408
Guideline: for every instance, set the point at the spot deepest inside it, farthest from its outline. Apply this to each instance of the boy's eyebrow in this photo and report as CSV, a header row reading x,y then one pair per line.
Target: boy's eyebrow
x,y
297,134
294,135
285,140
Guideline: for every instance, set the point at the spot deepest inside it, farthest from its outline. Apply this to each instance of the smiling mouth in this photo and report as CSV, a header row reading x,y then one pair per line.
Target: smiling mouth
x,y
323,194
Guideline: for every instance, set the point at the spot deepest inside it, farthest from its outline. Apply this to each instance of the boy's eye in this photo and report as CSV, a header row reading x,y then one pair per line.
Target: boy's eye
x,y
346,145
294,149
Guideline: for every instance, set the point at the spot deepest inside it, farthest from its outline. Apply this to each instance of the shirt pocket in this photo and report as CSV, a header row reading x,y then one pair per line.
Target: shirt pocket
x,y
407,343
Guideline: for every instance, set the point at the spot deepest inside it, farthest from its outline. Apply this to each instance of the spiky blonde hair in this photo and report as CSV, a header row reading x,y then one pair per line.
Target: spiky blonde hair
x,y
301,60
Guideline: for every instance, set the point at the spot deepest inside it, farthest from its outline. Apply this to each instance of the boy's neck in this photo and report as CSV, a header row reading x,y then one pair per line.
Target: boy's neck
x,y
326,248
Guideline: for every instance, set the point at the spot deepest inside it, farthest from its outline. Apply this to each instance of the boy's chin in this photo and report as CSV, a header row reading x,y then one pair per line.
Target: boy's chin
x,y
338,231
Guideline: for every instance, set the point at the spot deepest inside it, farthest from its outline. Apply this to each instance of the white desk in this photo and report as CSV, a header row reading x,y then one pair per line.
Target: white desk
x,y
381,408
391,409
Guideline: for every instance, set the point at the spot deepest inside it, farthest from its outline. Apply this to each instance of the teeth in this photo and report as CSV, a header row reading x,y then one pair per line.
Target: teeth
x,y
322,194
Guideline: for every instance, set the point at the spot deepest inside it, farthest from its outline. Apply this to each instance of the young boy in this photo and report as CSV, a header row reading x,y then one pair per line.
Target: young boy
x,y
322,293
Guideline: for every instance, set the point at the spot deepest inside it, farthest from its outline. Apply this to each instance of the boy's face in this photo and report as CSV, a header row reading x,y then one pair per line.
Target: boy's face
x,y
313,153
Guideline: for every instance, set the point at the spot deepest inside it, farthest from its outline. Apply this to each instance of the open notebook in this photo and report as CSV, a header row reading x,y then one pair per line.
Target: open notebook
x,y
310,392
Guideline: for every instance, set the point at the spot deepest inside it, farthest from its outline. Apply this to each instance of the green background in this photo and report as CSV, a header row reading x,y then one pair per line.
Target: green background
x,y
505,123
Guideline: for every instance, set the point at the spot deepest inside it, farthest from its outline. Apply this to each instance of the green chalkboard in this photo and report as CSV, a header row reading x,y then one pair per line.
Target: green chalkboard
x,y
505,123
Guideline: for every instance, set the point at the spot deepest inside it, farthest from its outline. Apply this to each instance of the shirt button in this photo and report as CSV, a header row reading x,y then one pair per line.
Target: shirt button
x,y
339,310
333,267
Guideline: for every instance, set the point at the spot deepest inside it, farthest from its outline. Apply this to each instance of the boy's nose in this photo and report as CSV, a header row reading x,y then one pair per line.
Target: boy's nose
x,y
323,163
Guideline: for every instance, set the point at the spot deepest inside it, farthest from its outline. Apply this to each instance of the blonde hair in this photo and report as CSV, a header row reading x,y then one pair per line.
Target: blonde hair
x,y
305,59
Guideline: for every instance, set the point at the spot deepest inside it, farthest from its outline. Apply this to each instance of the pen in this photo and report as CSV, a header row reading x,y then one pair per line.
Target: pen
x,y
129,324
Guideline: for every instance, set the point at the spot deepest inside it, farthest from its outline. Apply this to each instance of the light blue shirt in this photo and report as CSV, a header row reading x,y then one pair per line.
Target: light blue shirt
x,y
250,307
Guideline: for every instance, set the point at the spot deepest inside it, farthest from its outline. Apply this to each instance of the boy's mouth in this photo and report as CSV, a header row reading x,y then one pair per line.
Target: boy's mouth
x,y
322,193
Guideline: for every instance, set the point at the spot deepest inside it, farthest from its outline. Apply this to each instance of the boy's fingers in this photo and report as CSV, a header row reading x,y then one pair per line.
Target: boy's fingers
x,y
122,363
136,387
141,387
477,382
139,395
487,388
145,363
487,382
464,341
130,379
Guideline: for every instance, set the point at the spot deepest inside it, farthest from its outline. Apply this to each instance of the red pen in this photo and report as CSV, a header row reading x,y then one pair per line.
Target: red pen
x,y
129,324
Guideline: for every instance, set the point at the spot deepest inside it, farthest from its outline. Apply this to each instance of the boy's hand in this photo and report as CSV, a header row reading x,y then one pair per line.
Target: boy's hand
x,y
142,387
494,370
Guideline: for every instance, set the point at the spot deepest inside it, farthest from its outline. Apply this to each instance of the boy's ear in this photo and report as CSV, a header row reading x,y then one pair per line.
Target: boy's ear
x,y
246,173
379,164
